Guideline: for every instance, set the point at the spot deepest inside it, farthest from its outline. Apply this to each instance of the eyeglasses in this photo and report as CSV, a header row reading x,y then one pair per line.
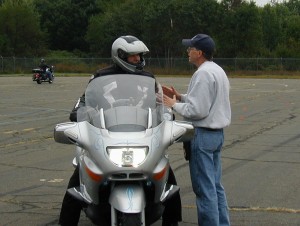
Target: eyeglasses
x,y
191,48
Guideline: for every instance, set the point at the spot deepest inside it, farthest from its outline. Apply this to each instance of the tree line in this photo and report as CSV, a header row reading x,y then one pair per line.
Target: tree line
x,y
87,28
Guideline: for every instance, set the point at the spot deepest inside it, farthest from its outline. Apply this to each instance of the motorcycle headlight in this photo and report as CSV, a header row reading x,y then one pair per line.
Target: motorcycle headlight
x,y
127,156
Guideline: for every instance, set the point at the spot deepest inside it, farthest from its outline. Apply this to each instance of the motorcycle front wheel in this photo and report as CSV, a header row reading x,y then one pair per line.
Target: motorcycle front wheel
x,y
129,219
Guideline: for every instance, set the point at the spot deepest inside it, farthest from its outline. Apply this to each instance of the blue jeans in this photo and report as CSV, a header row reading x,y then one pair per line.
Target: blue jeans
x,y
206,173
49,75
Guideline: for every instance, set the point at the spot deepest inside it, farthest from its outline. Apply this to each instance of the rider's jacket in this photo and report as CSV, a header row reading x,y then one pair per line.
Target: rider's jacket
x,y
44,67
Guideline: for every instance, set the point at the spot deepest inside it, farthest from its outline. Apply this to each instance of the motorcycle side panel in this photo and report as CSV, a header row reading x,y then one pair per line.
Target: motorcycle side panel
x,y
91,185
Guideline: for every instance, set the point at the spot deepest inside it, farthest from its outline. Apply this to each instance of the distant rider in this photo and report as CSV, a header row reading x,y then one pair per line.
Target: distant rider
x,y
43,66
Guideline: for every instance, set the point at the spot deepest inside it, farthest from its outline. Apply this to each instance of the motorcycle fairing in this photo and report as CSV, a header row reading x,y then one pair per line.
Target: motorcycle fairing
x,y
128,198
123,111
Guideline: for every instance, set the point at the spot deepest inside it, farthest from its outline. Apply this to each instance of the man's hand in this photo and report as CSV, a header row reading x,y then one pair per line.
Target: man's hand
x,y
169,102
170,92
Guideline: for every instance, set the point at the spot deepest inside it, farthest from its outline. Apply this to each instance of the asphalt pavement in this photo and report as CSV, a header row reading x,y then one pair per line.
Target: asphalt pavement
x,y
261,155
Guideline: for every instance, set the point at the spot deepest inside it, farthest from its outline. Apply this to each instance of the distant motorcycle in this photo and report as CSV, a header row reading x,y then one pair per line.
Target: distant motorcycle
x,y
40,76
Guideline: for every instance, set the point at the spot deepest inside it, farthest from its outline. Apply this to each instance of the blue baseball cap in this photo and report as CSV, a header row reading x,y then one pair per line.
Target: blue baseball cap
x,y
201,42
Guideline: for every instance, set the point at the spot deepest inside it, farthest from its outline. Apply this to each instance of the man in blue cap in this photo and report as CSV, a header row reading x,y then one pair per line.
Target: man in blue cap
x,y
206,104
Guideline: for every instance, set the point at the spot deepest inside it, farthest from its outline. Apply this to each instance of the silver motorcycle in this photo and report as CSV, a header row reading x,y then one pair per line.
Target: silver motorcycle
x,y
122,137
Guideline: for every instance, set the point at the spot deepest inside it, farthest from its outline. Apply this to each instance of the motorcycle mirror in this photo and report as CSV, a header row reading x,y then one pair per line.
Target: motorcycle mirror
x,y
183,131
59,132
187,136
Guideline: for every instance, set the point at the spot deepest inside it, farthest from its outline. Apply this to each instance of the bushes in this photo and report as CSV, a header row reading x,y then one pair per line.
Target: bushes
x,y
162,66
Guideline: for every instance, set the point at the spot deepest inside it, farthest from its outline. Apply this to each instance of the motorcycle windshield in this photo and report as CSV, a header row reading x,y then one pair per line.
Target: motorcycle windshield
x,y
130,103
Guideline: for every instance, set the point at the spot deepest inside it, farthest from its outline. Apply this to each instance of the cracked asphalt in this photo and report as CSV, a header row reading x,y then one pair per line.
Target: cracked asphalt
x,y
261,156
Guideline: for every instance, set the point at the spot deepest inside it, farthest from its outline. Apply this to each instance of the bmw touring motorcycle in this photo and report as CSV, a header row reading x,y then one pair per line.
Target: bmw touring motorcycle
x,y
121,137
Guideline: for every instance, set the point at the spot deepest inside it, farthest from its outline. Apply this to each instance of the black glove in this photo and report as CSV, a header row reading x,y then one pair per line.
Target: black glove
x,y
73,115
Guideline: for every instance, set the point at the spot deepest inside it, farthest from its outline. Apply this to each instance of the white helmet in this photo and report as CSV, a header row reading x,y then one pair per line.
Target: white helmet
x,y
125,46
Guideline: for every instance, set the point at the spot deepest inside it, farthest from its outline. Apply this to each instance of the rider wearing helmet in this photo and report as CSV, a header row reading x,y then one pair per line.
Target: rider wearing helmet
x,y
126,46
43,66
123,48
127,53
42,61
128,56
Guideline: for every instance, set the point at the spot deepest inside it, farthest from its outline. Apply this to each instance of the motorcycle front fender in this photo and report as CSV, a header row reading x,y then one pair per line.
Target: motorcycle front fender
x,y
128,198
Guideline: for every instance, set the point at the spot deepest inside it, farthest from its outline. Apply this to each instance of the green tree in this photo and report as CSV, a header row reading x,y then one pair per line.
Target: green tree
x,y
287,31
160,24
290,45
125,18
88,27
241,35
66,21
20,34
168,22
248,25
293,6
271,28
229,5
